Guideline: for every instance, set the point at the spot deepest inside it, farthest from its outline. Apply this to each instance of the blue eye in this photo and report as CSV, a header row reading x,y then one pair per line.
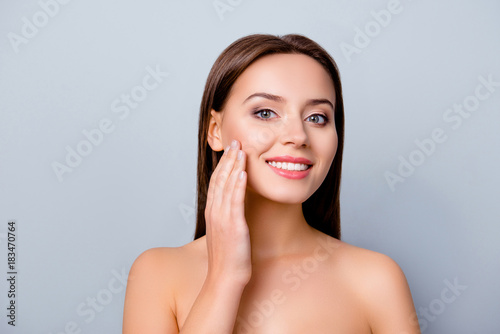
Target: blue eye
x,y
317,119
264,113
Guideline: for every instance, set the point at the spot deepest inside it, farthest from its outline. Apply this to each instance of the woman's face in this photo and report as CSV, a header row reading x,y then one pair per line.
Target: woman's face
x,y
281,105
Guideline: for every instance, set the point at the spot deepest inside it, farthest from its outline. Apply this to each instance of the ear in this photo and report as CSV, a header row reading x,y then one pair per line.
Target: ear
x,y
214,137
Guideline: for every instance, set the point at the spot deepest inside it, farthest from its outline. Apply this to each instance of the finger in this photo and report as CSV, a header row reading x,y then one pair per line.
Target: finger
x,y
233,180
213,178
238,199
223,175
211,184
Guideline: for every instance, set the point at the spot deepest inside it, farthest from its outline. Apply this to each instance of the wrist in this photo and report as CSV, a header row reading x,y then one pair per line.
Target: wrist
x,y
233,283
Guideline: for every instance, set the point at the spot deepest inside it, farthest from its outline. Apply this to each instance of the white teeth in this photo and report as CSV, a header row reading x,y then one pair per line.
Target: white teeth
x,y
288,165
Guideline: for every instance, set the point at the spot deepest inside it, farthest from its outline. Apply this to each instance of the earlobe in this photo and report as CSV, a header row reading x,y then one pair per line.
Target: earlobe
x,y
214,136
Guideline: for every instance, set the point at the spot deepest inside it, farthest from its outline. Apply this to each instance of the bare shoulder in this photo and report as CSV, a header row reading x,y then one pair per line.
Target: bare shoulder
x,y
381,286
150,300
165,267
369,265
162,260
358,260
367,269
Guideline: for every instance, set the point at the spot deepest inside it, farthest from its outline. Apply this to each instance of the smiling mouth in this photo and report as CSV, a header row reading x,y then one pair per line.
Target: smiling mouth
x,y
289,166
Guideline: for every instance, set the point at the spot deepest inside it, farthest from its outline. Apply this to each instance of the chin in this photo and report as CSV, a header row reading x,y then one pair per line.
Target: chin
x,y
281,194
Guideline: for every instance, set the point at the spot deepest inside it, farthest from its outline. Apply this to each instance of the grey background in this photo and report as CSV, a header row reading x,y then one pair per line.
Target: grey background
x,y
136,189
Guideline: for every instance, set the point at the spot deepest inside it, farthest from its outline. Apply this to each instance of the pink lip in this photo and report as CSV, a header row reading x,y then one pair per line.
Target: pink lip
x,y
287,158
294,175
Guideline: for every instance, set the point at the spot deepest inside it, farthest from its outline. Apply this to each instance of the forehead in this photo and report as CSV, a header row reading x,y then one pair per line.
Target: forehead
x,y
293,76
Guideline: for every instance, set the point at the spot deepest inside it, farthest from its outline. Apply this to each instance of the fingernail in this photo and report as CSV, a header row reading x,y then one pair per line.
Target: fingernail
x,y
240,155
241,175
234,144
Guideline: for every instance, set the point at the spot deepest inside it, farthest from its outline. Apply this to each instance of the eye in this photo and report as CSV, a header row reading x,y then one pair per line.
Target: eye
x,y
265,113
316,118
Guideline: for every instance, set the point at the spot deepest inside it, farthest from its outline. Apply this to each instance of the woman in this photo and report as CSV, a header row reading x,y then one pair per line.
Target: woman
x,y
267,255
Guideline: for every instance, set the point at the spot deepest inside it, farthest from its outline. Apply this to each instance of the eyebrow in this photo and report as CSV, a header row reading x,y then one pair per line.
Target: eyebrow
x,y
276,98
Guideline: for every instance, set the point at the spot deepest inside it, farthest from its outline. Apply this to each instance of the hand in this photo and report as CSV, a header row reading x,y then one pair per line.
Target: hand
x,y
228,240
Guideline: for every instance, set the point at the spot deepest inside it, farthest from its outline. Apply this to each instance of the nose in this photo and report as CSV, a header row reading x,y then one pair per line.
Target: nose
x,y
293,132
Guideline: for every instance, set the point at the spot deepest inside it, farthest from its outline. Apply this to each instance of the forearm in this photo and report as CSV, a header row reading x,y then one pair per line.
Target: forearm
x,y
215,309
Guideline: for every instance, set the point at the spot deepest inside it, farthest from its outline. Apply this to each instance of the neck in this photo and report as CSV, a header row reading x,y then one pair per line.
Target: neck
x,y
275,228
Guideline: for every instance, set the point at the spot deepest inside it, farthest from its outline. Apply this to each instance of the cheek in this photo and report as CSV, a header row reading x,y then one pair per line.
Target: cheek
x,y
326,147
256,139
235,130
331,149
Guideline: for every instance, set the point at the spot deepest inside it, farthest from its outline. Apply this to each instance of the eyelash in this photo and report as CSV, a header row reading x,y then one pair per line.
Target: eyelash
x,y
327,120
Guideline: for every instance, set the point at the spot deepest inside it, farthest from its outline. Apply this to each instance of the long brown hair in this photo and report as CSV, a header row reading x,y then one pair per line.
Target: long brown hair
x,y
322,209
